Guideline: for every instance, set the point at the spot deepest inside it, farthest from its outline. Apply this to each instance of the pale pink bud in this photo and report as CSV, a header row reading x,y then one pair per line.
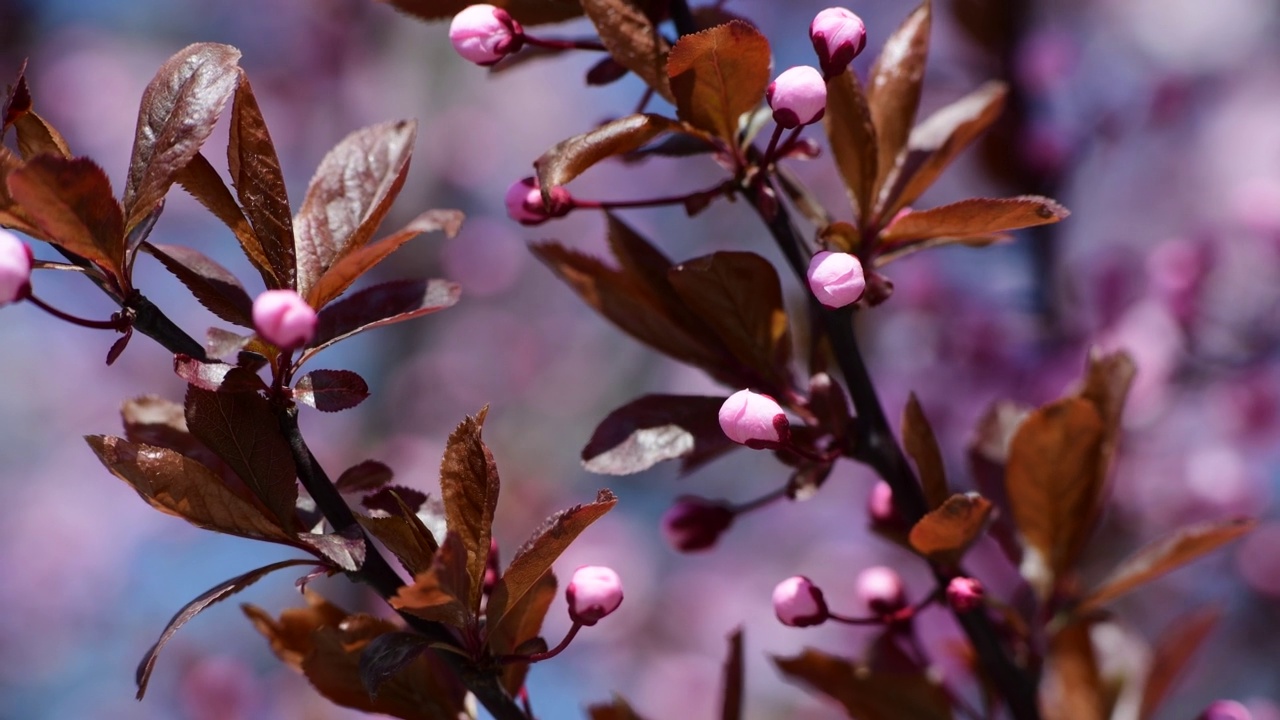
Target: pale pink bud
x,y
798,97
838,37
836,278
15,268
283,318
880,507
799,603
593,592
485,34
525,206
492,568
1225,710
965,593
880,589
695,523
753,419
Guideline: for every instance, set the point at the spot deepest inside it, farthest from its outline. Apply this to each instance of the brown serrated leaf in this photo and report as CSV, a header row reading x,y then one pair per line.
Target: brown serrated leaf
x,y
349,196
519,624
365,476
739,297
1172,653
526,12
203,183
469,487
973,217
944,534
734,680
345,550
536,556
151,420
331,390
380,305
217,376
178,111
242,429
1106,384
632,40
1164,555
717,75
570,158
866,693
893,90
852,136
351,267
219,592
11,213
440,594
920,444
34,134
388,654
71,202
259,182
1072,688
406,537
214,286
654,428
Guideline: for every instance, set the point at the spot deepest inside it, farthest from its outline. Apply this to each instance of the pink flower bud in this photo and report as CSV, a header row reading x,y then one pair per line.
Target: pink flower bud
x,y
525,206
695,523
880,590
965,593
1225,710
753,419
593,592
485,34
838,37
798,97
283,318
492,569
799,603
880,507
836,278
15,268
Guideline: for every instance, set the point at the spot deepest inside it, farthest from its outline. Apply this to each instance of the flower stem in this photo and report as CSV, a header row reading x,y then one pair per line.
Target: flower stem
x,y
547,655
555,44
706,194
116,323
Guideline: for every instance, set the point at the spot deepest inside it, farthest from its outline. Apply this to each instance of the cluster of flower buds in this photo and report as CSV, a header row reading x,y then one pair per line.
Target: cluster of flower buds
x,y
284,319
754,420
15,268
836,278
593,592
484,34
525,204
799,603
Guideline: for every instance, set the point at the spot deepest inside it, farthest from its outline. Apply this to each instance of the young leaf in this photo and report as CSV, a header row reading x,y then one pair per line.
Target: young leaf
x,y
988,452
946,532
393,499
331,390
345,550
852,136
365,476
1172,653
919,442
632,40
865,693
738,295
12,215
973,217
441,593
1052,458
151,420
178,111
34,134
887,254
731,701
406,537
349,195
570,158
654,428
241,428
526,12
388,654
469,487
893,91
213,285
259,182
717,75
536,556
71,202
219,592
183,487
1072,687
216,376
380,305
203,183
1164,555
521,623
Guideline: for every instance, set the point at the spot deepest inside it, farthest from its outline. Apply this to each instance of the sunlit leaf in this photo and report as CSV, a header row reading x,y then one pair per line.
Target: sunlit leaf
x,y
973,217
469,487
441,593
216,376
632,40
259,182
34,134
570,158
405,536
364,476
213,285
380,305
944,533
331,390
919,442
344,549
521,623
1072,688
654,428
893,89
717,75
202,181
852,136
71,202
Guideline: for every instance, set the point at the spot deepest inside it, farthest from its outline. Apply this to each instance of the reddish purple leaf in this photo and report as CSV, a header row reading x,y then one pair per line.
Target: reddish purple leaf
x,y
717,75
205,185
734,679
213,285
442,593
365,476
331,390
526,12
392,498
346,550
34,134
217,376
852,136
469,486
975,217
387,655
654,428
893,90
380,305
632,39
71,202
570,158
259,182
517,631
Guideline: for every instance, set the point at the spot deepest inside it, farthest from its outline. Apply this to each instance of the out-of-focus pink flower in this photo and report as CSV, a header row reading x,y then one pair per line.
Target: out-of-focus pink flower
x,y
525,206
799,603
593,593
283,318
836,278
484,34
880,508
880,589
695,523
492,569
838,36
15,268
753,419
965,593
1225,710
798,97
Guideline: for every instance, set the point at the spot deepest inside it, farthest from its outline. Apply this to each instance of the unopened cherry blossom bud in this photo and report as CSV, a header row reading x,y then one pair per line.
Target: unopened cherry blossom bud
x,y
881,509
1225,710
838,37
492,570
880,589
283,318
753,419
799,603
525,205
485,34
836,278
695,523
593,592
798,97
15,268
965,593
